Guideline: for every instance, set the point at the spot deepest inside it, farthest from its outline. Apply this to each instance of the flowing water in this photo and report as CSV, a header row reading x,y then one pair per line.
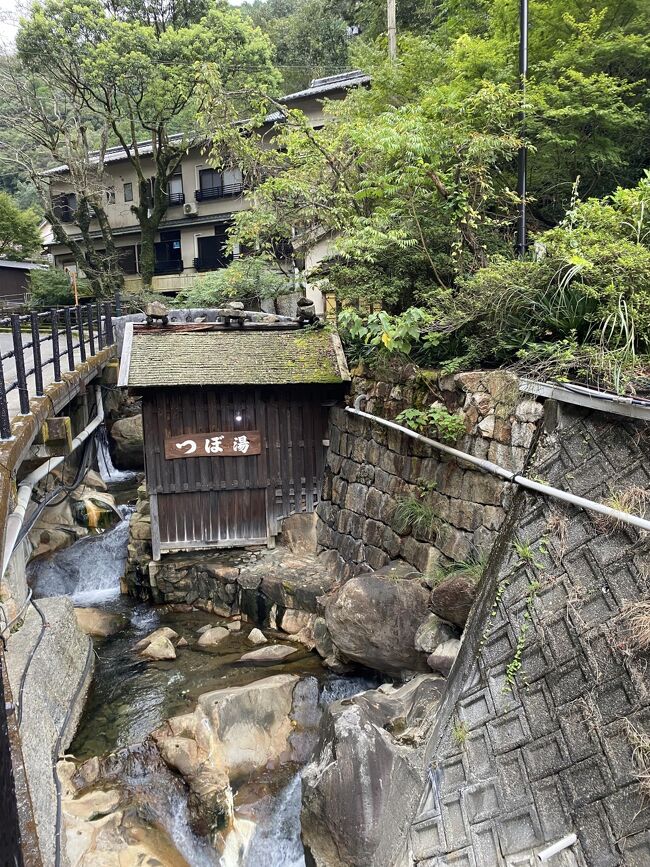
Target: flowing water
x,y
130,697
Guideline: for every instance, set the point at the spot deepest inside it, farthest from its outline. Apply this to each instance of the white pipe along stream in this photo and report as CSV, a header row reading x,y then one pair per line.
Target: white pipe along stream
x,y
24,493
495,469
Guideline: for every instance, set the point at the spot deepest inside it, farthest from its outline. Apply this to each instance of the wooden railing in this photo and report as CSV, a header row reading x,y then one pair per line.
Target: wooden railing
x,y
40,343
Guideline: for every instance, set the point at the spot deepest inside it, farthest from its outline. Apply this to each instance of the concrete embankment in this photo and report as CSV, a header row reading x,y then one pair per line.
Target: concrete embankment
x,y
50,668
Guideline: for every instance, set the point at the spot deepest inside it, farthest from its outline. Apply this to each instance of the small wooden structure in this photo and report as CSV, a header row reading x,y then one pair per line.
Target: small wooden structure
x,y
235,421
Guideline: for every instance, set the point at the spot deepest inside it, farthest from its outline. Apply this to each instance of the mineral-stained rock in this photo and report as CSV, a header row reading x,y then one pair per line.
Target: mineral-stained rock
x,y
443,656
127,437
272,653
160,648
214,636
361,788
432,633
256,636
163,632
453,599
373,620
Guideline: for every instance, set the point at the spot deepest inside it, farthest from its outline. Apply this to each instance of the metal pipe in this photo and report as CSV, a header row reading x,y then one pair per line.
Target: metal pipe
x,y
496,470
564,843
24,493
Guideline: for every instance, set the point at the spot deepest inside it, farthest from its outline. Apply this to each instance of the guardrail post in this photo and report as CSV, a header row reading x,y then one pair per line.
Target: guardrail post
x,y
56,353
68,338
108,324
19,358
5,424
80,329
36,349
91,333
100,330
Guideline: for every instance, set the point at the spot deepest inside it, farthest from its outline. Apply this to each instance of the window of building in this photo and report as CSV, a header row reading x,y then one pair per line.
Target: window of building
x,y
128,192
110,195
210,181
175,190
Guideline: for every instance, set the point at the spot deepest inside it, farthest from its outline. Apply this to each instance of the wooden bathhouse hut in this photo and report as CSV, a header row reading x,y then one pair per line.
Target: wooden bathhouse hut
x,y
235,420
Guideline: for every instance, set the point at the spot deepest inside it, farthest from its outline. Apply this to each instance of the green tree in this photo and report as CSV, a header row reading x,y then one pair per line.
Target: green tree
x,y
20,237
309,36
140,72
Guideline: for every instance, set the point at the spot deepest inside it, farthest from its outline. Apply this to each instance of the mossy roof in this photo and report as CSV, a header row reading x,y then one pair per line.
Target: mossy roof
x,y
170,358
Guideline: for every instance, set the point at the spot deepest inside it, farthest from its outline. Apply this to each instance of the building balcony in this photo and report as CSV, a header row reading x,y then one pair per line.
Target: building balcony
x,y
168,266
222,192
174,199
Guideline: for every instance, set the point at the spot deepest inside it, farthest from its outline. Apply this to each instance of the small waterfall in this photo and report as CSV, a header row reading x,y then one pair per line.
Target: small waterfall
x,y
89,571
109,473
345,687
276,842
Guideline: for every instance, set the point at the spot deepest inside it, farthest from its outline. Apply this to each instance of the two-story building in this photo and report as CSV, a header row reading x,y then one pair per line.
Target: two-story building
x,y
202,201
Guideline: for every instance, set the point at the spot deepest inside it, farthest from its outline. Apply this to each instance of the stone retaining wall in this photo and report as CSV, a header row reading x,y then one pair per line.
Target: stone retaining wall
x,y
370,469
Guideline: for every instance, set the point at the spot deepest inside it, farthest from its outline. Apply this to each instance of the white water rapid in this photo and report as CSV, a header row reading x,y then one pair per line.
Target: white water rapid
x,y
109,473
89,571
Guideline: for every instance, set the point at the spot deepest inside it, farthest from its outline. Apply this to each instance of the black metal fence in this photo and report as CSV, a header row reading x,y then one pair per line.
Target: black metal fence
x,y
41,345
10,844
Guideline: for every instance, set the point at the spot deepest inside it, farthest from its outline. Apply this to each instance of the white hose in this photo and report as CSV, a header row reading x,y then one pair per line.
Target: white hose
x,y
495,469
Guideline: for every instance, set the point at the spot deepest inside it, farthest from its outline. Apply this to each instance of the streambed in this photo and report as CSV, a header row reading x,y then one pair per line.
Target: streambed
x,y
130,697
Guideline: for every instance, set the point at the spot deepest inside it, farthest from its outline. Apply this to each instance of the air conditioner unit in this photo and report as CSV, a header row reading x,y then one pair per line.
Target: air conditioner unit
x,y
190,209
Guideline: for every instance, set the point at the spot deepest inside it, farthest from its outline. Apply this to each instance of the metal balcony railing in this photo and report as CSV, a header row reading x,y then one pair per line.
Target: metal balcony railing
x,y
74,333
168,266
221,192
210,263
175,199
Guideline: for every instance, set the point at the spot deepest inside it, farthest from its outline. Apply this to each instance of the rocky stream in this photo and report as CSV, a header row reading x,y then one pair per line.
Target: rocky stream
x,y
134,790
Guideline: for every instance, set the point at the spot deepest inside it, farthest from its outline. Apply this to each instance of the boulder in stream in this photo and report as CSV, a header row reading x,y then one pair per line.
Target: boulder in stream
x,y
256,636
362,786
98,623
126,434
374,618
159,648
212,637
236,732
272,653
163,632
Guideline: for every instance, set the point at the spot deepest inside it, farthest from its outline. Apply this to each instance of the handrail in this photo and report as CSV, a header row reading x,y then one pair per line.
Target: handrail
x,y
85,329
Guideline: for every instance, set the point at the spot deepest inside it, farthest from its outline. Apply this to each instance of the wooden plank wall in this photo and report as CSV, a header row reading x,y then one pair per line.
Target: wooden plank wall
x,y
223,500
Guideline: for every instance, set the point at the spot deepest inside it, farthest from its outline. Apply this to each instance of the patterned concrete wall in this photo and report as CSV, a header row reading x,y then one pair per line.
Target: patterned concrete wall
x,y
536,737
370,469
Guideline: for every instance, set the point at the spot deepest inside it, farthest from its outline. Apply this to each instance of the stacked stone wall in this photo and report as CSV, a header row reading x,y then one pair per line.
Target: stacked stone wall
x,y
370,469
545,725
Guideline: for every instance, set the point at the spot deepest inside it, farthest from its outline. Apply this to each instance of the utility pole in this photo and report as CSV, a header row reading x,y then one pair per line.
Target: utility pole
x,y
392,30
523,150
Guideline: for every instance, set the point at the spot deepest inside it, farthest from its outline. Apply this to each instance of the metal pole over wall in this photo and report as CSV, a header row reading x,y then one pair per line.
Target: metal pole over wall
x,y
522,242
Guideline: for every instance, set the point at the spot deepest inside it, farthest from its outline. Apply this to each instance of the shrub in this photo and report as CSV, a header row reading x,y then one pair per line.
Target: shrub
x,y
248,280
50,288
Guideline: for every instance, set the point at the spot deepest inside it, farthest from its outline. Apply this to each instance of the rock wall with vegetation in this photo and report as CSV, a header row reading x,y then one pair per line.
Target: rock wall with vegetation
x,y
387,496
545,726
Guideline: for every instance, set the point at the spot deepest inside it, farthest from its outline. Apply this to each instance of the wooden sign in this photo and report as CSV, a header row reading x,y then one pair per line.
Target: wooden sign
x,y
225,444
